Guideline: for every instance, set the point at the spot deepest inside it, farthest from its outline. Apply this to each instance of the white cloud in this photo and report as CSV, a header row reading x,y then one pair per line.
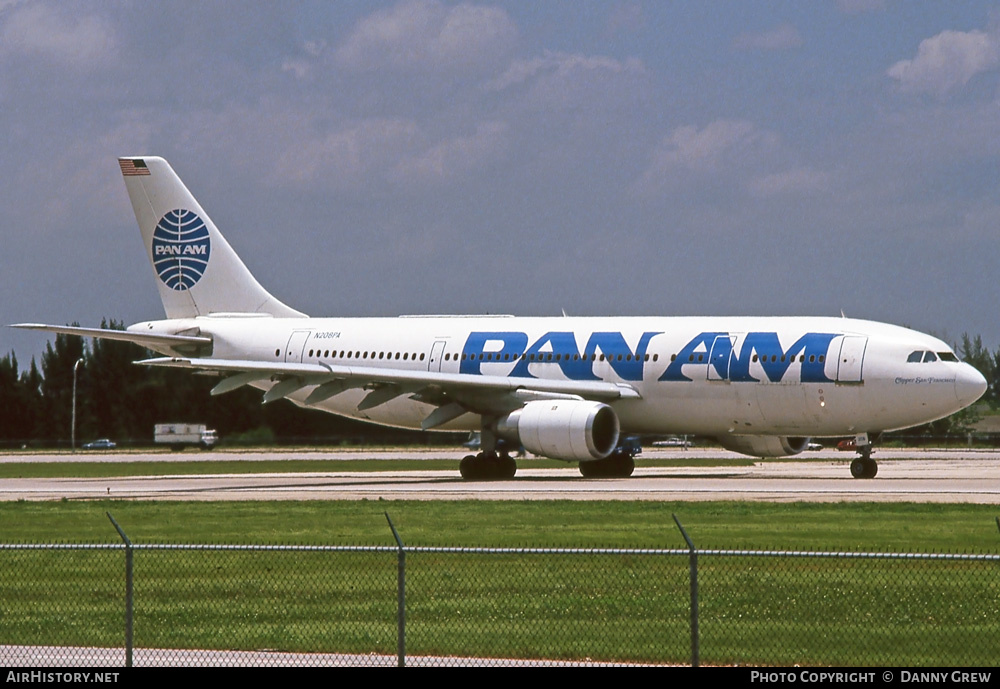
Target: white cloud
x,y
376,153
37,29
719,143
947,61
352,154
733,154
561,65
417,35
861,6
781,37
794,181
301,65
456,156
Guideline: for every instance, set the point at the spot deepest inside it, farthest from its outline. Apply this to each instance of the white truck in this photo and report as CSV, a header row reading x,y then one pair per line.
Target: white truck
x,y
181,435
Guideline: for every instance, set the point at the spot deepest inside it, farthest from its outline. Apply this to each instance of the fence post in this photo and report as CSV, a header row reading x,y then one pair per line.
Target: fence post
x,y
693,573
129,598
400,596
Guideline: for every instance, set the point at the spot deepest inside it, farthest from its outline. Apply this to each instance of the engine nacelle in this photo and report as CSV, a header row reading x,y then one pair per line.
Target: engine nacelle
x,y
763,445
572,430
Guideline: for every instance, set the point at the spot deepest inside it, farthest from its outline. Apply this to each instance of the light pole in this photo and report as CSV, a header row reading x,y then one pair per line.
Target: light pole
x,y
72,432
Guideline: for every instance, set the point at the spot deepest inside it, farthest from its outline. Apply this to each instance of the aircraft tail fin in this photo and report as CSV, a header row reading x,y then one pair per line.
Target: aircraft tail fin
x,y
197,272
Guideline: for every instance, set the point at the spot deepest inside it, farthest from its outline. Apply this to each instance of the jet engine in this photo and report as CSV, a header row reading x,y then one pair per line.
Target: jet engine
x,y
763,445
571,430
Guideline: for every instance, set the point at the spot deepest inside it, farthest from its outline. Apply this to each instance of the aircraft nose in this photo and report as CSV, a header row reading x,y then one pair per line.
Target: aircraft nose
x,y
969,385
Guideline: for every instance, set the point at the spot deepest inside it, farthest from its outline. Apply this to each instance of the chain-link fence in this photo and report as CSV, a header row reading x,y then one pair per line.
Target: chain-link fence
x,y
149,604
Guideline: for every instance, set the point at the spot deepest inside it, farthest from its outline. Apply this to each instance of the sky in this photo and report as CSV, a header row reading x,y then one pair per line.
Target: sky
x,y
598,158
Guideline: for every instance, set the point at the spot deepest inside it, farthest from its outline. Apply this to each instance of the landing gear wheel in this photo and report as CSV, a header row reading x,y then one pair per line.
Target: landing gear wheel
x,y
864,467
615,465
507,467
871,468
624,465
858,468
467,467
486,466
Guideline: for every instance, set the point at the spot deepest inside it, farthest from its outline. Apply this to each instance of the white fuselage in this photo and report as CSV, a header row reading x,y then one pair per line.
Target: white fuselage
x,y
712,375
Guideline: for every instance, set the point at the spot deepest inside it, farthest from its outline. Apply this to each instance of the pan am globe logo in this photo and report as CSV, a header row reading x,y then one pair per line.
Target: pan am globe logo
x,y
181,248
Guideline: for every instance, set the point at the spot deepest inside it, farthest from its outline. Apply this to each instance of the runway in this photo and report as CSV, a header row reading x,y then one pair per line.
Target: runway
x,y
939,476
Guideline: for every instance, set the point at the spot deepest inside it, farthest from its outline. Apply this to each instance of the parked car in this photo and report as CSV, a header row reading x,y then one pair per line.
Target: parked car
x,y
100,444
847,445
673,442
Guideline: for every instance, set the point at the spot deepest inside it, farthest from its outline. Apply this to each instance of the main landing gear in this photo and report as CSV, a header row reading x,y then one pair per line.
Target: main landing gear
x,y
864,466
494,462
619,464
488,465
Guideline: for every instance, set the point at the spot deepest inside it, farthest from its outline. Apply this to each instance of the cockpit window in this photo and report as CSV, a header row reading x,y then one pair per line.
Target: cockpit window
x,y
925,356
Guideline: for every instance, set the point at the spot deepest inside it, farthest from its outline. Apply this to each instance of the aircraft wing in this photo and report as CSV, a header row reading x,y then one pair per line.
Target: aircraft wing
x,y
453,393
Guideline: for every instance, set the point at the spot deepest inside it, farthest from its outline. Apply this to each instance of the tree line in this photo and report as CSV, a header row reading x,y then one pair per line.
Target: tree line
x,y
119,400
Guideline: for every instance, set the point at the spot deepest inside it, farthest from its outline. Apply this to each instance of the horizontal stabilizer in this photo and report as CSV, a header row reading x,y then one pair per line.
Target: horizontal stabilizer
x,y
142,339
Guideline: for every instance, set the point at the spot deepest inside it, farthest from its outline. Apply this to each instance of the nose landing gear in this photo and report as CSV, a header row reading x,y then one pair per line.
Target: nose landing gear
x,y
864,466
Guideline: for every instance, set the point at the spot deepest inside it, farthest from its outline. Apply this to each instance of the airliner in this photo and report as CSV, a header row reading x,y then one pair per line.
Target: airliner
x,y
567,388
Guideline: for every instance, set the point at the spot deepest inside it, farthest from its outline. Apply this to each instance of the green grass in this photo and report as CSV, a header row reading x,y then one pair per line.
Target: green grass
x,y
754,610
738,525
